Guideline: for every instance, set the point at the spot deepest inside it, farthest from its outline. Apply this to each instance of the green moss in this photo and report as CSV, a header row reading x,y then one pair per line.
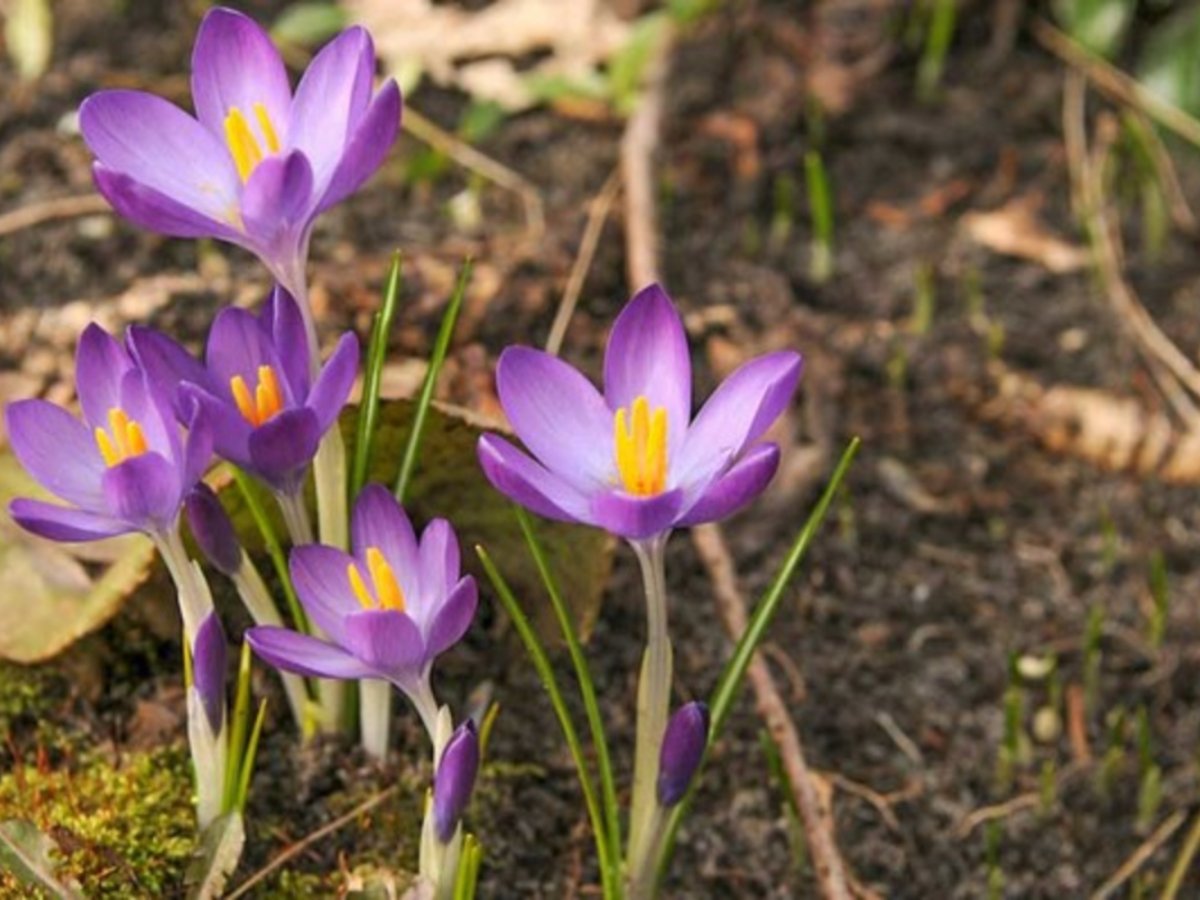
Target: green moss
x,y
122,830
25,692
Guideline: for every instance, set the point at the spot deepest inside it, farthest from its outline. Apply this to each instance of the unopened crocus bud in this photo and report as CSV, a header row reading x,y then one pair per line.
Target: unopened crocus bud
x,y
454,781
208,669
682,749
213,531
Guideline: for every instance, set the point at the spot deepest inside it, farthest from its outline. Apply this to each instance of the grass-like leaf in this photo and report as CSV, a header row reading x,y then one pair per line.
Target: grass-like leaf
x,y
368,409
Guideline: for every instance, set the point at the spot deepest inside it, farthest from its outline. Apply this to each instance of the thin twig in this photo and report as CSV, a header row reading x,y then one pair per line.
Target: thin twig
x,y
51,211
469,158
1138,858
1183,862
1015,805
304,843
598,210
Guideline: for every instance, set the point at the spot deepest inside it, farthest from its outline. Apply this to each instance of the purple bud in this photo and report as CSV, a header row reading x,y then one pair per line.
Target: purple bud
x,y
212,530
208,669
682,750
455,779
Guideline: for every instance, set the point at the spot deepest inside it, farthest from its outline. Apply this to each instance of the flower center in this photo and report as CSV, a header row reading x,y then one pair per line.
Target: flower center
x,y
244,147
124,439
640,440
265,402
387,593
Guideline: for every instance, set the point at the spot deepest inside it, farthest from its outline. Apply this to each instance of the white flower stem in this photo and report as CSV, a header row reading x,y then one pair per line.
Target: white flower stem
x,y
295,517
195,601
375,716
654,697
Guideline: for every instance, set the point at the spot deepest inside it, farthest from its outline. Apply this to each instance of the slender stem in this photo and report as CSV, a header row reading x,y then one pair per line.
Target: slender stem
x,y
274,548
654,697
375,716
1191,843
195,601
295,517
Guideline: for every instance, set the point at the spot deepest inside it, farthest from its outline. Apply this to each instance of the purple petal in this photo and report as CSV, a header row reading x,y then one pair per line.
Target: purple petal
x,y
153,210
144,491
738,412
149,405
330,101
647,355
527,482
636,518
304,655
748,478
213,531
682,751
367,147
319,574
387,641
57,450
62,523
452,619
558,415
234,64
208,669
379,521
282,317
334,383
282,448
230,431
440,562
198,447
237,345
100,366
276,197
455,780
167,362
163,148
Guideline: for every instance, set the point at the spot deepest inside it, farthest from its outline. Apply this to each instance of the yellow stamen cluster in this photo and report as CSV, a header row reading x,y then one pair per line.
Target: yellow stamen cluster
x,y
124,439
640,438
387,593
243,145
266,400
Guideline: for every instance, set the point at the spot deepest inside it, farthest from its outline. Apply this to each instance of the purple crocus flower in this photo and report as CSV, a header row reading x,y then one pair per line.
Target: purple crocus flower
x,y
389,609
455,780
682,750
267,415
208,669
633,460
125,467
257,164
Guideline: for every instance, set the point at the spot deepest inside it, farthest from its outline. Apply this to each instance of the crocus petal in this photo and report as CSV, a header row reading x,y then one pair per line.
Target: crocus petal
x,y
230,431
455,780
440,561
153,210
367,147
333,385
197,449
304,655
636,518
452,618
738,412
379,521
162,147
647,355
213,530
747,479
208,669
276,198
558,414
100,366
149,404
387,641
144,491
166,362
282,317
520,478
319,574
57,450
234,64
282,448
62,523
330,101
237,345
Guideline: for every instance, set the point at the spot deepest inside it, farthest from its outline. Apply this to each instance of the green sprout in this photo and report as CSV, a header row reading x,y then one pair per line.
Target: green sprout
x,y
820,207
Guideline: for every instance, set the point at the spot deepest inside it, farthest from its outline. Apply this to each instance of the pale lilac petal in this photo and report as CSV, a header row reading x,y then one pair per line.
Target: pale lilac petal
x,y
636,518
747,479
439,561
62,523
153,210
558,414
230,431
208,669
737,414
149,405
304,655
100,365
159,145
282,317
237,345
452,618
320,576
387,641
282,448
332,388
529,483
330,101
276,198
167,362
57,450
144,491
234,64
647,355
367,147
379,521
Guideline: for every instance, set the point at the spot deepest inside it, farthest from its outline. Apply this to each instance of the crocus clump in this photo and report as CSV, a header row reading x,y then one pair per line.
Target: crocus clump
x,y
267,414
256,164
633,460
125,467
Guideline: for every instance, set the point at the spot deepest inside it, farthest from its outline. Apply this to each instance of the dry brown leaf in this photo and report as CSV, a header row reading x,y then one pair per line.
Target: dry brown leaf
x,y
1016,230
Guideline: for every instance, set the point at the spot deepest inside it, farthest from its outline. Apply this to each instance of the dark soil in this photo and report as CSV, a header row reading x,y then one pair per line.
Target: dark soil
x,y
959,545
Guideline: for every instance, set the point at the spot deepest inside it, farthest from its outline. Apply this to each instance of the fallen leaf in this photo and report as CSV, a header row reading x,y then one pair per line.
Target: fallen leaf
x,y
1016,230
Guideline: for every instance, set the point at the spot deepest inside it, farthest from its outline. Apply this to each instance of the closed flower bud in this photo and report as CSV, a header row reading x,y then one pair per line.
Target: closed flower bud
x,y
213,531
208,669
682,750
454,781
